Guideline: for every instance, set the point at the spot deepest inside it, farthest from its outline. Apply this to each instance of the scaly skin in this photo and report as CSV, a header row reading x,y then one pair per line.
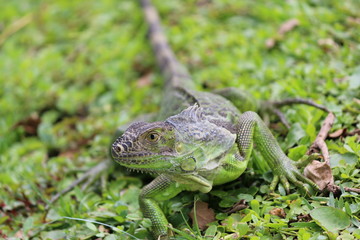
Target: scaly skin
x,y
203,141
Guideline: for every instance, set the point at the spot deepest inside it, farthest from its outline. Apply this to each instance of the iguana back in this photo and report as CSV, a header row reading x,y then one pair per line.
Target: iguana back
x,y
176,76
179,90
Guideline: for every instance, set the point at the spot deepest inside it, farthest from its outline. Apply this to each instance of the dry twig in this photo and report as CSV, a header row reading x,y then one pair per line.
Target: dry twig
x,y
92,172
319,143
14,27
320,172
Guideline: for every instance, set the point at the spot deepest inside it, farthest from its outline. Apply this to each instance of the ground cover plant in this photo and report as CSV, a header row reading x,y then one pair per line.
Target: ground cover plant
x,y
72,72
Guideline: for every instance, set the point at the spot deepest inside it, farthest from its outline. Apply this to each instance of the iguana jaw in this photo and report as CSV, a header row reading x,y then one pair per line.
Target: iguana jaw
x,y
144,162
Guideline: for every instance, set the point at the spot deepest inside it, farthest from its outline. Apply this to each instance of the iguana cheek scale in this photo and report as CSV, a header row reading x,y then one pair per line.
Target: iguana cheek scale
x,y
200,139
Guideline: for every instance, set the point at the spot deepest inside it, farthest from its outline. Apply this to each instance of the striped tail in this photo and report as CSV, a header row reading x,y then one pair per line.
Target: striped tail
x,y
175,74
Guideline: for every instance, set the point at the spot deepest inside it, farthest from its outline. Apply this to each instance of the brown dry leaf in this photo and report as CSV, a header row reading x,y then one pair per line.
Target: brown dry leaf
x,y
30,124
204,215
75,146
338,133
19,234
353,20
343,133
353,133
288,26
304,218
319,173
70,153
270,43
278,212
284,28
341,80
3,235
202,3
356,100
326,41
102,229
328,44
144,81
237,206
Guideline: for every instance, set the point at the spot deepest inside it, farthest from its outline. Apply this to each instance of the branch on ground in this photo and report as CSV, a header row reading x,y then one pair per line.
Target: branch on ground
x,y
320,172
291,101
14,27
273,106
92,172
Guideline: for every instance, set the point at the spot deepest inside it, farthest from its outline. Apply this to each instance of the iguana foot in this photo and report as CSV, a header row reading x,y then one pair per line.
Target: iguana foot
x,y
165,237
168,236
292,174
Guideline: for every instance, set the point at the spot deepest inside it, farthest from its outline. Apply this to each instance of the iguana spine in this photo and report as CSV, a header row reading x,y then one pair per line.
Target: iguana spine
x,y
174,73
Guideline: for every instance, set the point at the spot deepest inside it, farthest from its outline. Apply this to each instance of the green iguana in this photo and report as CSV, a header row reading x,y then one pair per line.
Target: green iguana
x,y
203,139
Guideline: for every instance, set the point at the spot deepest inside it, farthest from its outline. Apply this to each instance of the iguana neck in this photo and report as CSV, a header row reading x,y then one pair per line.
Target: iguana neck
x,y
175,74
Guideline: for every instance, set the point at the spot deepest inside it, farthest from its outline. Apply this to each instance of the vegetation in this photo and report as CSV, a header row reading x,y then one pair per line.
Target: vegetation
x,y
72,71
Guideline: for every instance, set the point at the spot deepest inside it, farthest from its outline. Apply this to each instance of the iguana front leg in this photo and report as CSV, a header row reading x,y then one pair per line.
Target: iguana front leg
x,y
160,189
251,129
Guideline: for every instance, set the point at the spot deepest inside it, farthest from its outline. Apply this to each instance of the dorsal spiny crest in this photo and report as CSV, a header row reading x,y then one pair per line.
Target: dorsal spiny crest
x,y
191,114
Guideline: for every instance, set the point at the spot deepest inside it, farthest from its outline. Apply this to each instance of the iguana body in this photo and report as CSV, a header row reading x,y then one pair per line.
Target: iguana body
x,y
202,140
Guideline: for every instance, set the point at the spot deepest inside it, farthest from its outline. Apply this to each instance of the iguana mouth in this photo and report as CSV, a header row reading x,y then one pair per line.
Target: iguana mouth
x,y
133,158
141,170
143,162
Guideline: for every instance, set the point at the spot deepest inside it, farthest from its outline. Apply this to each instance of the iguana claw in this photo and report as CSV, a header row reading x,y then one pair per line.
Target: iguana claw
x,y
294,176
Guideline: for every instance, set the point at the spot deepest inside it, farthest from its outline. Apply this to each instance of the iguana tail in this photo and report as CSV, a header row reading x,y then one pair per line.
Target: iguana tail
x,y
176,75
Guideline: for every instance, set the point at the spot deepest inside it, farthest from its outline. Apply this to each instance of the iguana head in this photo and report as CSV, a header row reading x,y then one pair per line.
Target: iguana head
x,y
182,143
145,146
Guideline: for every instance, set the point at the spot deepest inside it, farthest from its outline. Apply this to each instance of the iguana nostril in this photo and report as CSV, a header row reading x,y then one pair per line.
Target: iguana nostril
x,y
118,148
115,150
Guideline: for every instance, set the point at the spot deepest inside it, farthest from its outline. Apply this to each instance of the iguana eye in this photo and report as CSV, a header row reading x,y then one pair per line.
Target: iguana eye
x,y
153,137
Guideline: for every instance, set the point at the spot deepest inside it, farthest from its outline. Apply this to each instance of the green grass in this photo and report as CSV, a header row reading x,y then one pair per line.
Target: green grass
x,y
72,71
